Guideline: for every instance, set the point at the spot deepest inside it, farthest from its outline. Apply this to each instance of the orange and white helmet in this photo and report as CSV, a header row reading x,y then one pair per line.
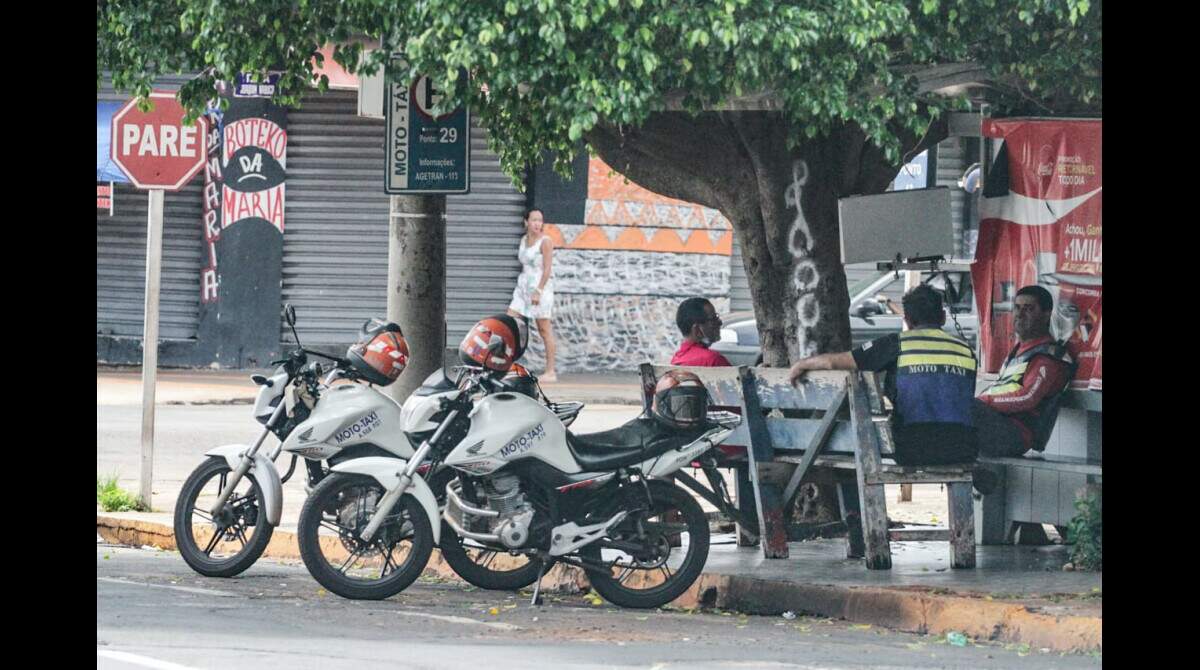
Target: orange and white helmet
x,y
680,400
493,343
381,352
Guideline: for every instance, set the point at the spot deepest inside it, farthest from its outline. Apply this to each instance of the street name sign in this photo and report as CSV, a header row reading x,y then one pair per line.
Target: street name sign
x,y
426,154
155,149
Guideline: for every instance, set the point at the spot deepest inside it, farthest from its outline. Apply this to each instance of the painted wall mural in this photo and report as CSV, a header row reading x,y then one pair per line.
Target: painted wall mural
x,y
621,272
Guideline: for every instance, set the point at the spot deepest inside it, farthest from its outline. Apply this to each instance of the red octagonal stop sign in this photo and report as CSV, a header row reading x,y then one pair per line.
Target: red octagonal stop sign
x,y
154,148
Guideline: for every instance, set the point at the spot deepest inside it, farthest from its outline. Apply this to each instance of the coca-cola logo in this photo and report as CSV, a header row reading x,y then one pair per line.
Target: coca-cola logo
x,y
1045,163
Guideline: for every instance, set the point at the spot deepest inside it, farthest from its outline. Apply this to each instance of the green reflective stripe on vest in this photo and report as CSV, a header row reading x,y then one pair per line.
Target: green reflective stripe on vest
x,y
933,346
1002,389
923,358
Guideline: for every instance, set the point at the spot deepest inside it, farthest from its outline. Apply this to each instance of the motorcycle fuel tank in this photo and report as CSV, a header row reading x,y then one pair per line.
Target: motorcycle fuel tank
x,y
508,426
347,415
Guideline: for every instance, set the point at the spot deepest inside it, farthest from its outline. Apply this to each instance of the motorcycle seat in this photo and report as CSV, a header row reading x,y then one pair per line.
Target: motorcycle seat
x,y
626,445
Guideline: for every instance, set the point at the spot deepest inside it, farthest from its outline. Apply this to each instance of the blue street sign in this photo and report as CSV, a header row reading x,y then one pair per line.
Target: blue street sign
x,y
425,154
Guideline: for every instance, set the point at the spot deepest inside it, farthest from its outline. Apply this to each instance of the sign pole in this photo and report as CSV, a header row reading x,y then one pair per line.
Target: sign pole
x,y
154,234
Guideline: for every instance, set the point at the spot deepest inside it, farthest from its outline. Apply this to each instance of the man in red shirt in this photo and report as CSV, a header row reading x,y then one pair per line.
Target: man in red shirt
x,y
1017,412
700,326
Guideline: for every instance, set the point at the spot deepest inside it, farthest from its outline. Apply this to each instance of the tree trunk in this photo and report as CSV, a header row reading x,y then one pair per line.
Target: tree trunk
x,y
782,203
416,296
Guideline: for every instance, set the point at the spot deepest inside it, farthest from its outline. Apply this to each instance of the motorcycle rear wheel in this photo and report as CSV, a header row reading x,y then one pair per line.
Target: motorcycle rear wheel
x,y
220,556
675,523
333,516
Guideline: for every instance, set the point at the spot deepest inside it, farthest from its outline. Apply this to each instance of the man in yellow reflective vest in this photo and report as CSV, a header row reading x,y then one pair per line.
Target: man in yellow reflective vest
x,y
1017,412
930,381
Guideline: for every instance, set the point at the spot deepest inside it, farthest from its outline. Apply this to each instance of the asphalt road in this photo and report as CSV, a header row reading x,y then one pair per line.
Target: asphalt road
x,y
153,611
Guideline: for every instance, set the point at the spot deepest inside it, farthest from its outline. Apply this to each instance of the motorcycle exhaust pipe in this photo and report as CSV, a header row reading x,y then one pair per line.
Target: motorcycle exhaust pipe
x,y
462,532
453,499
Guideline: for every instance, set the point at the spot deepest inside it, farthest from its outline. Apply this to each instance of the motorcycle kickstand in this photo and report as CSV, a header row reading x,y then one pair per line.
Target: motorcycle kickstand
x,y
543,567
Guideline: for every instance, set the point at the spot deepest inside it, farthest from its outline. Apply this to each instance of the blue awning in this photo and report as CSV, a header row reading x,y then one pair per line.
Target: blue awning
x,y
106,170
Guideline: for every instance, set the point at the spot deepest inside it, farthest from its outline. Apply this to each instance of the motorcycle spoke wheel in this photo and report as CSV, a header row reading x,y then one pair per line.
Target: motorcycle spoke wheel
x,y
331,524
672,547
230,542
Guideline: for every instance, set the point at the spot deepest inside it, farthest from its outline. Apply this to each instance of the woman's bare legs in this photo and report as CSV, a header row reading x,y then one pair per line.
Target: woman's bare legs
x,y
547,331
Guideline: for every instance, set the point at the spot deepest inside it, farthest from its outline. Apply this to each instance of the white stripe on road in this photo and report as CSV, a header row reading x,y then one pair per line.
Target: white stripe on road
x,y
144,661
185,589
463,620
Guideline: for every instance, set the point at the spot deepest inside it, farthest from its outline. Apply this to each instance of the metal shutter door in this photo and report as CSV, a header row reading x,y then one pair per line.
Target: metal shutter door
x,y
121,263
335,235
739,285
952,161
335,227
484,228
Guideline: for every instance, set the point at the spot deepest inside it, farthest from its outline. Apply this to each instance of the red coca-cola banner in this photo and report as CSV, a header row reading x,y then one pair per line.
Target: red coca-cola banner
x,y
1040,223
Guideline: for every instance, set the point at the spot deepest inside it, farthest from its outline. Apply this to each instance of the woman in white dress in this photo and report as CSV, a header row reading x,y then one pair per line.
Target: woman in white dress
x,y
533,297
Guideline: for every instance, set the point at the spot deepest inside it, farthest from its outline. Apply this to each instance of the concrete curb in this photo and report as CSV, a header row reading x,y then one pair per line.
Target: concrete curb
x,y
908,610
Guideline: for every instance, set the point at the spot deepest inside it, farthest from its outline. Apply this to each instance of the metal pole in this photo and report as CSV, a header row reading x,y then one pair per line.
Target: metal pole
x,y
154,233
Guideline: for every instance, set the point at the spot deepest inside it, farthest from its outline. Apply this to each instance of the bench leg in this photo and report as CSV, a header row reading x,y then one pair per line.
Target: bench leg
x,y
991,518
744,490
1032,534
874,526
773,531
848,503
962,524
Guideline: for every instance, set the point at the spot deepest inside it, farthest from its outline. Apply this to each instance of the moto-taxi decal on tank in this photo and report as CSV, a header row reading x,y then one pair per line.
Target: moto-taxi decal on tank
x,y
523,443
360,428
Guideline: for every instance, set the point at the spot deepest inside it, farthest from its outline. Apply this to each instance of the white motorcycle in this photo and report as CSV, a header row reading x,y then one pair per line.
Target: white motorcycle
x,y
230,505
526,486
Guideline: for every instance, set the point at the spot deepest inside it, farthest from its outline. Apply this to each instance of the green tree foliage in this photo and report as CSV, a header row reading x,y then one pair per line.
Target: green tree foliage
x,y
553,70
847,83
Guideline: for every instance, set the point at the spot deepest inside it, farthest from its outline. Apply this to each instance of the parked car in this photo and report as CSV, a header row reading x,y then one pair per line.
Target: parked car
x,y
869,319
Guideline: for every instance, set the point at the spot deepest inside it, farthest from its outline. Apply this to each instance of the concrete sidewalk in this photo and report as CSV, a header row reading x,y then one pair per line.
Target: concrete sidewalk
x,y
1017,594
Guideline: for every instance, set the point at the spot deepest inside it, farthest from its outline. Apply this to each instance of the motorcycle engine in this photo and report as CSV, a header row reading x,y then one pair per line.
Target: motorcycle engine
x,y
516,514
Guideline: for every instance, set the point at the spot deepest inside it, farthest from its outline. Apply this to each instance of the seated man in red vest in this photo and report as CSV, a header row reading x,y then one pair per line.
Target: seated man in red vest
x,y
1017,412
700,326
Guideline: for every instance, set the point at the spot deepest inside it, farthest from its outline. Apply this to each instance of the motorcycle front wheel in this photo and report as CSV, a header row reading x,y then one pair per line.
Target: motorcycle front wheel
x,y
228,544
328,533
663,551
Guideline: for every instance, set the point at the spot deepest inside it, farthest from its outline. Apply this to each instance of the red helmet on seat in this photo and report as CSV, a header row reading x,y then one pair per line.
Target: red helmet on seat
x,y
680,400
493,343
381,352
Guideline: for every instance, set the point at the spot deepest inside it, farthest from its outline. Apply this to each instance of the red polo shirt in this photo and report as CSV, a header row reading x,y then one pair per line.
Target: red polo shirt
x,y
692,353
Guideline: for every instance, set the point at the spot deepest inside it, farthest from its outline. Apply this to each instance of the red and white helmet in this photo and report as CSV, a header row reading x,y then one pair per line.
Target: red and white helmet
x,y
680,400
493,343
381,352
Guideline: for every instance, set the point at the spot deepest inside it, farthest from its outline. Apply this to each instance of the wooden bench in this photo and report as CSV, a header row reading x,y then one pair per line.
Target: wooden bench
x,y
832,427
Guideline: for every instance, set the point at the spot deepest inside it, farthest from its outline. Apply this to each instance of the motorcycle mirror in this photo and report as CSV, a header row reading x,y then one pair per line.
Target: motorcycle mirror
x,y
289,315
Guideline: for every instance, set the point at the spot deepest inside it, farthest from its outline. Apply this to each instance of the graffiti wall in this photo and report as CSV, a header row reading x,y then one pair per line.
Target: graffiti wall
x,y
620,273
244,176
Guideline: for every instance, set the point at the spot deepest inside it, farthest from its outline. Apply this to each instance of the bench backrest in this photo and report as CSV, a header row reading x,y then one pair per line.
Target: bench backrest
x,y
794,414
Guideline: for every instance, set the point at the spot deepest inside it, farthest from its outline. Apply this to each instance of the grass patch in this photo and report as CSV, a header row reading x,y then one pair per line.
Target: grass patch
x,y
113,498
